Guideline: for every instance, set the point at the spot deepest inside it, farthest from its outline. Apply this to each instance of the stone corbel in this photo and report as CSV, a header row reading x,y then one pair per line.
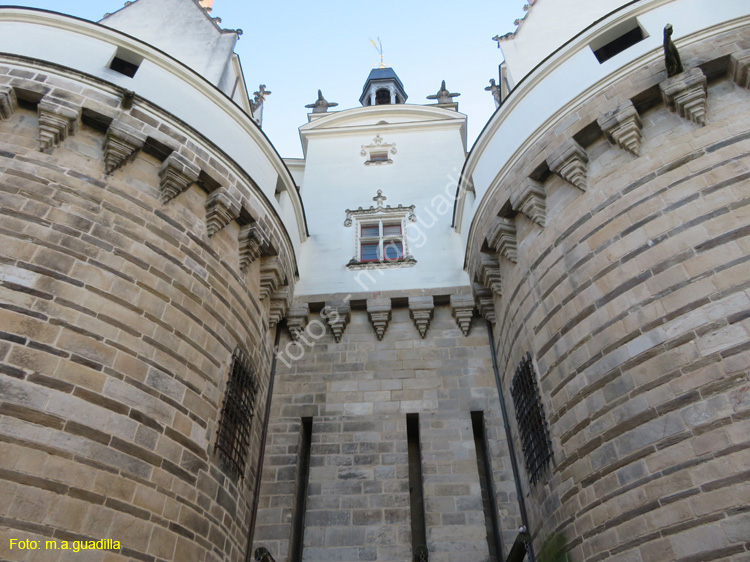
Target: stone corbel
x,y
462,307
622,126
221,209
379,311
686,94
8,102
121,145
337,316
531,201
421,312
176,174
502,238
56,123
297,318
570,162
489,273
271,275
251,242
739,68
280,300
485,303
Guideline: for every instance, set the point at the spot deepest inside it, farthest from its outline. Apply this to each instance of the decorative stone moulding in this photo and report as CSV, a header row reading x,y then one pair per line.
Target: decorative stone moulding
x,y
379,311
378,147
176,174
622,126
271,275
379,209
297,318
739,68
531,201
686,94
280,300
462,308
570,162
56,123
502,238
421,312
8,102
251,243
489,273
121,145
337,316
221,209
485,303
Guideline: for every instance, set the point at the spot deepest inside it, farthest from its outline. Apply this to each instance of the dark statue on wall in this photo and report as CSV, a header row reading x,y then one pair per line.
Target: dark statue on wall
x,y
671,56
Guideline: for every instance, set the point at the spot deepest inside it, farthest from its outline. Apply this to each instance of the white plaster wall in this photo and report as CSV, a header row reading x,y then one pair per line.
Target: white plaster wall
x,y
89,48
423,173
549,24
190,36
570,74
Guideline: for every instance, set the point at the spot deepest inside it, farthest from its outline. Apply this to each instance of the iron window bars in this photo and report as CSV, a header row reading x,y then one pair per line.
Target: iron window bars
x,y
233,435
537,447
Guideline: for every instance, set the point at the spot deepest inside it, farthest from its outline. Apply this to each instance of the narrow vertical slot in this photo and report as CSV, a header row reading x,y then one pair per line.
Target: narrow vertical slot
x,y
494,542
303,474
416,494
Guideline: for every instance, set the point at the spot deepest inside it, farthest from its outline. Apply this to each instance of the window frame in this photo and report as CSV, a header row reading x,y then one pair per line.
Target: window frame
x,y
382,240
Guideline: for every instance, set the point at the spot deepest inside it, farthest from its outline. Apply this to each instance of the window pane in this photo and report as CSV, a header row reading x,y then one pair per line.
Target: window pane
x,y
370,230
369,252
391,230
393,250
378,156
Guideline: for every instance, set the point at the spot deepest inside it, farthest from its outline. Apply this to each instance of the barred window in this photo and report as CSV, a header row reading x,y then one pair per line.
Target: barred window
x,y
537,448
233,435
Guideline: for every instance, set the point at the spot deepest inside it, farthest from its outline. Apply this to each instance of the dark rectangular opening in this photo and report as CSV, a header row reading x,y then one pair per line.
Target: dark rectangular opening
x,y
619,44
296,541
416,493
489,503
123,67
95,120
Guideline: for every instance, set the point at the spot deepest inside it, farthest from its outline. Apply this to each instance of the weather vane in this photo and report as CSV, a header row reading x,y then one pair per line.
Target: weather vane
x,y
379,49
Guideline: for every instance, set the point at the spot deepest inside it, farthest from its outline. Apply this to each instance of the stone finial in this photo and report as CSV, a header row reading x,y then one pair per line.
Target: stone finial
x,y
570,162
8,102
496,93
421,312
321,105
221,209
443,95
502,238
462,307
531,201
739,66
121,145
176,174
489,273
671,56
271,275
280,300
337,316
56,123
297,318
250,244
686,94
379,310
485,303
622,126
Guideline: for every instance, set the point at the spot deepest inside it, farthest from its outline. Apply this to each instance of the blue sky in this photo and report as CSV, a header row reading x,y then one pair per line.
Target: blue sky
x,y
296,48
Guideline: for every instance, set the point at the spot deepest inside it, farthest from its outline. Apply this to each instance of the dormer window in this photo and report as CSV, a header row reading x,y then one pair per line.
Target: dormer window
x,y
378,152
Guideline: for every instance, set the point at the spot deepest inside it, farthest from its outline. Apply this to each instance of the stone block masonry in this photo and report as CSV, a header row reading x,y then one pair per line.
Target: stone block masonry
x,y
118,318
359,391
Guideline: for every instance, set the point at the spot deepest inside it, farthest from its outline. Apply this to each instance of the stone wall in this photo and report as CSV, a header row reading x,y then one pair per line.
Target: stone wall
x,y
617,252
125,286
358,392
